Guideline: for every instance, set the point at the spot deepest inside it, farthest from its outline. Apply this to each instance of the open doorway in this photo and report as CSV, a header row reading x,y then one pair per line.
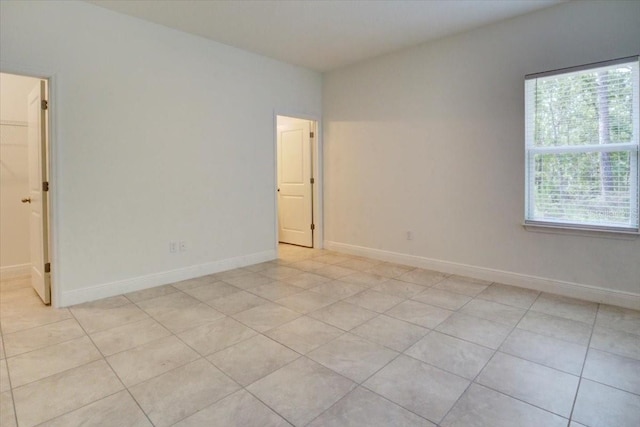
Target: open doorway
x,y
297,166
24,181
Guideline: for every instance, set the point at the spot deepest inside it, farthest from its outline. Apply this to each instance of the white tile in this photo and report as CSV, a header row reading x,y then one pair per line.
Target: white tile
x,y
362,408
240,409
51,360
547,351
150,360
353,357
128,336
250,360
114,411
482,407
618,318
509,295
265,317
613,370
301,390
418,387
215,336
418,313
496,312
598,405
569,308
182,392
94,318
304,334
374,300
393,333
614,341
53,396
480,331
442,298
556,327
451,354
42,336
535,384
7,413
462,285
343,315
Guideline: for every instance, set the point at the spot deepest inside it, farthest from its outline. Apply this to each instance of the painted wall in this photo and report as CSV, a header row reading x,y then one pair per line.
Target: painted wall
x,y
14,179
158,136
430,140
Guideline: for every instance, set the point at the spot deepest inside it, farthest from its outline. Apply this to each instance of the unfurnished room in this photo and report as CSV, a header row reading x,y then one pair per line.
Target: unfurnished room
x,y
320,213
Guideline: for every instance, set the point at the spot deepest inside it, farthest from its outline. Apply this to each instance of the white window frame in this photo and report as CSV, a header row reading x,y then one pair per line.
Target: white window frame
x,y
530,151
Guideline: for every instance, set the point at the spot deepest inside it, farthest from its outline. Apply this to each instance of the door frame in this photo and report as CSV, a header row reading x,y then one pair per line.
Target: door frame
x,y
316,166
52,160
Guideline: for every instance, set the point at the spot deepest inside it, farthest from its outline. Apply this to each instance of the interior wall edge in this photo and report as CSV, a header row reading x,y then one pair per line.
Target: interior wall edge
x,y
104,290
543,284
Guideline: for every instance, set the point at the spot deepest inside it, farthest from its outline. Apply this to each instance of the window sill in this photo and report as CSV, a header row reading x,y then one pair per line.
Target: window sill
x,y
577,231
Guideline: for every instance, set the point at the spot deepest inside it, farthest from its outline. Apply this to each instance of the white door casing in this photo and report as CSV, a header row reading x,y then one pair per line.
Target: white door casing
x,y
295,199
38,220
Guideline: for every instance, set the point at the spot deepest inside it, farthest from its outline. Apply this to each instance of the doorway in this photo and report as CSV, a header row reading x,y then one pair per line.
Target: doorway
x,y
297,184
24,145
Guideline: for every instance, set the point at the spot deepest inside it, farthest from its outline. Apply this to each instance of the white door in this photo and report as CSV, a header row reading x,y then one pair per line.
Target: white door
x,y
38,222
295,203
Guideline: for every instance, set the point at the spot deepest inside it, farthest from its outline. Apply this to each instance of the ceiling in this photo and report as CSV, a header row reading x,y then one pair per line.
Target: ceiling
x,y
323,34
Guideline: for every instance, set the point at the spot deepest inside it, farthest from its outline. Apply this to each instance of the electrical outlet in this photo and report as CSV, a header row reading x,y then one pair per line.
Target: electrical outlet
x,y
173,247
409,235
183,246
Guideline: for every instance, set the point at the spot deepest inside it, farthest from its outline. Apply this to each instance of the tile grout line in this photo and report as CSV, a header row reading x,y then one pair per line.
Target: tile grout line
x,y
523,401
42,347
171,332
246,388
343,332
495,351
175,368
75,367
212,403
40,325
584,363
519,399
402,353
111,368
205,358
379,395
13,400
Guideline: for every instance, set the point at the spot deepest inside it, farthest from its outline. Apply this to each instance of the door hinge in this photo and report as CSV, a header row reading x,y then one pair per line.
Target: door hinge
x,y
313,181
45,186
311,134
44,104
313,226
47,267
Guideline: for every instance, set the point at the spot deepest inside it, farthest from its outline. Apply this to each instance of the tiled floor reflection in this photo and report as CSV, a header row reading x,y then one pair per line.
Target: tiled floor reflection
x,y
319,338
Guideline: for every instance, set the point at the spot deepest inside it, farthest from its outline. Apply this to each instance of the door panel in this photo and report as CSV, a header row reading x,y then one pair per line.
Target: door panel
x,y
40,280
294,182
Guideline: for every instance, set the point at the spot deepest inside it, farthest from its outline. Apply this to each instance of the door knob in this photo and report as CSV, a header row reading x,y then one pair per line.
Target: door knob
x,y
26,200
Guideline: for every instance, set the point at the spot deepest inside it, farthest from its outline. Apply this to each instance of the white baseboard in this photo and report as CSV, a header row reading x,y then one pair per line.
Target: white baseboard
x,y
105,290
558,287
13,271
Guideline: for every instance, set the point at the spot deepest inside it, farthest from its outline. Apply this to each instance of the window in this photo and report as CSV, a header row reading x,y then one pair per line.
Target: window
x,y
581,134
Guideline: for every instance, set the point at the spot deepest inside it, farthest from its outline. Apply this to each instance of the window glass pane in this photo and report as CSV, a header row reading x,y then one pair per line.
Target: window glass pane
x,y
584,107
584,188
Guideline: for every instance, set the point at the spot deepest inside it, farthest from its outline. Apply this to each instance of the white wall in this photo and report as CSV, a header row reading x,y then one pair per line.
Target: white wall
x,y
158,135
14,179
430,139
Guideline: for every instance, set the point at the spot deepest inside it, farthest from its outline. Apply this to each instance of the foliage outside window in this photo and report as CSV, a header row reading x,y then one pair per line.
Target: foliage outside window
x,y
582,146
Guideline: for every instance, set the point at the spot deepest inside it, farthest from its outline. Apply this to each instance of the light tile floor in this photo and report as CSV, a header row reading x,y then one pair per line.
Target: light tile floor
x,y
321,339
